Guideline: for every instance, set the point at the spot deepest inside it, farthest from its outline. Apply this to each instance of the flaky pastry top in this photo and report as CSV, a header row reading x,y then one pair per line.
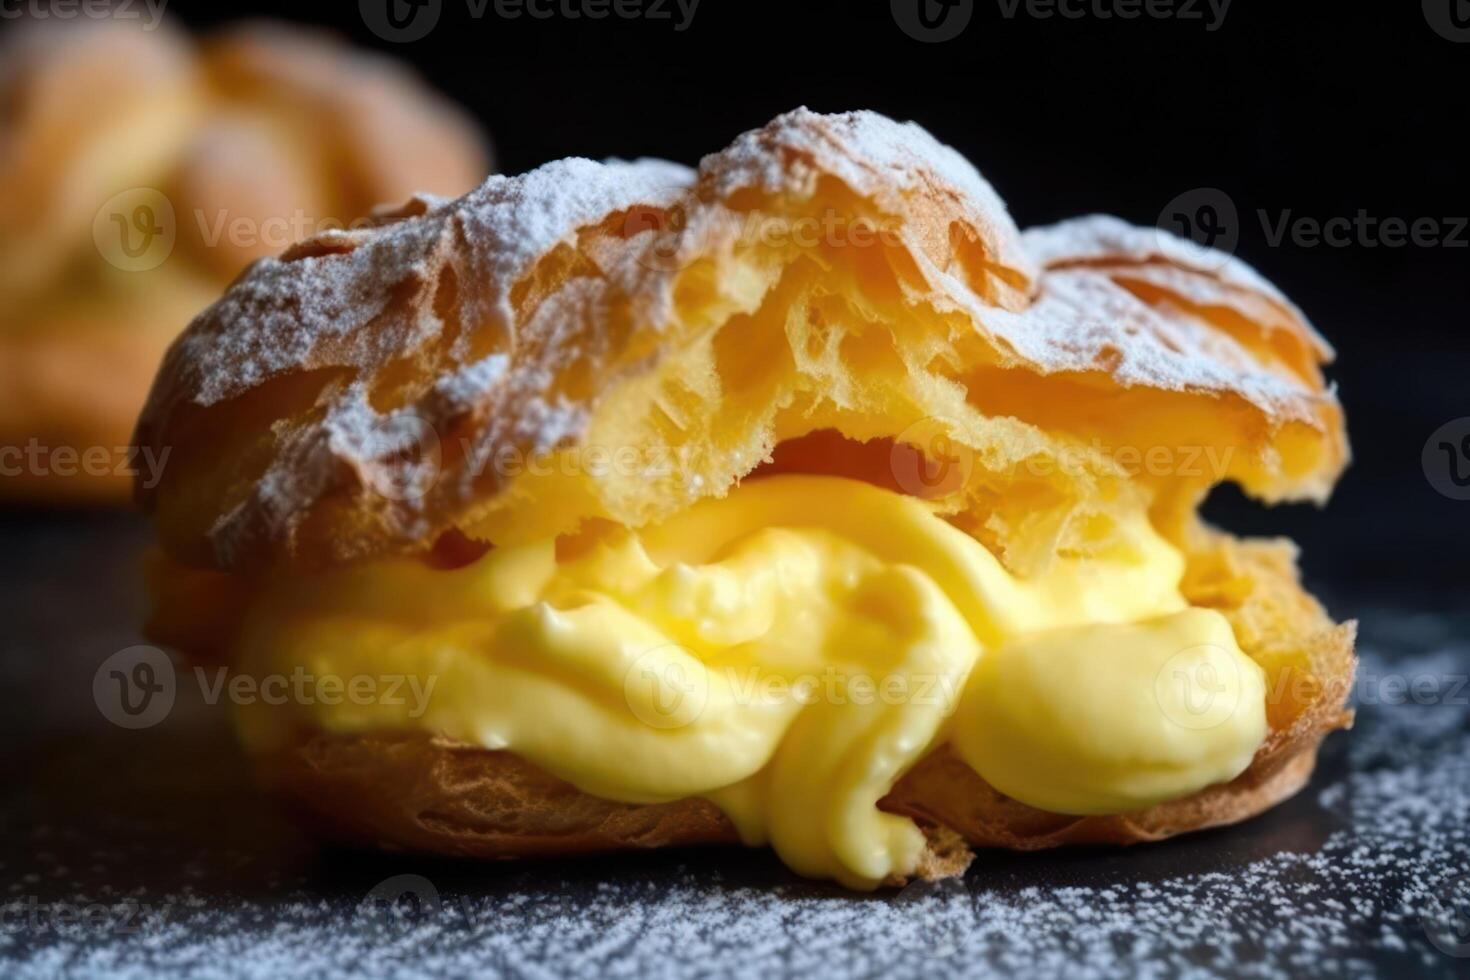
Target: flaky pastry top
x,y
361,394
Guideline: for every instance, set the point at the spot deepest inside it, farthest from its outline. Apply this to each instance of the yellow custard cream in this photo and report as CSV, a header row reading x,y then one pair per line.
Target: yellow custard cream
x,y
787,652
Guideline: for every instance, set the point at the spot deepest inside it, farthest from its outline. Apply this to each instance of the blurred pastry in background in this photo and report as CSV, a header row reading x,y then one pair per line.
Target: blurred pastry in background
x,y
143,172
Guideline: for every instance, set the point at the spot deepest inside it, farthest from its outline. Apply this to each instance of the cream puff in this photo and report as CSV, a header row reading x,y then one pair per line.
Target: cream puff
x,y
143,173
798,500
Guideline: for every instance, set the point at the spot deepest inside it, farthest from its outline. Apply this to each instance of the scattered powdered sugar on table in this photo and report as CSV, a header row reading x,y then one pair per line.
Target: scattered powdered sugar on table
x,y
1394,797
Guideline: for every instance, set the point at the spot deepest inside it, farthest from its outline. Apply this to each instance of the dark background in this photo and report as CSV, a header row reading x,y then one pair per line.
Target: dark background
x,y
1320,109
1315,108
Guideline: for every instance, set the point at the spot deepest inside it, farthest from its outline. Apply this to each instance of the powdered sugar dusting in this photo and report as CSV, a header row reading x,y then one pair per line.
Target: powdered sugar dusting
x,y
896,165
1076,321
1104,238
464,385
312,308
538,269
1335,885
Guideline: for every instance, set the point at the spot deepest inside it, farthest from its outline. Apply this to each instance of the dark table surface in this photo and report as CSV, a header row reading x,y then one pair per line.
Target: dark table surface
x,y
146,853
